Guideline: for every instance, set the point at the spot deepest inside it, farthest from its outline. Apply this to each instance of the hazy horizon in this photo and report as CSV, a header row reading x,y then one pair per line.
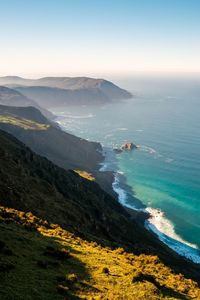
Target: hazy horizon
x,y
99,38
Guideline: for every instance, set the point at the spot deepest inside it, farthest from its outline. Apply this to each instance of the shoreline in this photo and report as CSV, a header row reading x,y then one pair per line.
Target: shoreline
x,y
145,215
106,173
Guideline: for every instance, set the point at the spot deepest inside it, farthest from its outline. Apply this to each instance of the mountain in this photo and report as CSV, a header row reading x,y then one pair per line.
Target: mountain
x,y
45,138
12,97
54,222
54,91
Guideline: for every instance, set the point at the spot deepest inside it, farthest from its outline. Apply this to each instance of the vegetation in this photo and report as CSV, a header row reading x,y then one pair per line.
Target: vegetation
x,y
23,123
47,139
40,260
63,237
85,175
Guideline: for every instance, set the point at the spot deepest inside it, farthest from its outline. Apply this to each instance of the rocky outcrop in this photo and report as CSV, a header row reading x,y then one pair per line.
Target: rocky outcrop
x,y
128,146
117,150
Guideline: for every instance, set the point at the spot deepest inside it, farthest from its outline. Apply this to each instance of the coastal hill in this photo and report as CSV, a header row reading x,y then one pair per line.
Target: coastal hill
x,y
60,91
60,236
12,97
47,139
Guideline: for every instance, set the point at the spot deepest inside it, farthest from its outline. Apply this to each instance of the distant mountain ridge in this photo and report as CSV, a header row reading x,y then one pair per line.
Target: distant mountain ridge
x,y
60,91
11,97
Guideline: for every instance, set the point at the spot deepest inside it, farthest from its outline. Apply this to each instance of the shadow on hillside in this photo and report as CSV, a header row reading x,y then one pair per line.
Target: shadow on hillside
x,y
47,268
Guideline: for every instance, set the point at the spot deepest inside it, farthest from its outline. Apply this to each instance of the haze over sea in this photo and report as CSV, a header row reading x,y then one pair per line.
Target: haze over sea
x,y
163,173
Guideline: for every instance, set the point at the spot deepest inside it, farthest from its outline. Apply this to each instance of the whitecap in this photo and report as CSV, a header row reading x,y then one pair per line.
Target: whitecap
x,y
165,231
169,160
81,116
108,135
122,129
145,148
122,196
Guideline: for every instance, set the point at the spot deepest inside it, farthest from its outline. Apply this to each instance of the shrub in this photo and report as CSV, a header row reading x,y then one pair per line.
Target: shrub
x,y
71,278
105,270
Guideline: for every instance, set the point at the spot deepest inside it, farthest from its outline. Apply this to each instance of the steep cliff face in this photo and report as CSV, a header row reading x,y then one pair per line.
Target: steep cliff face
x,y
32,183
29,182
65,150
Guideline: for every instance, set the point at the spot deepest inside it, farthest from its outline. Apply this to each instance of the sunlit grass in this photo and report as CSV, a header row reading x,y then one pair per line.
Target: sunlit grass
x,y
23,123
85,175
47,262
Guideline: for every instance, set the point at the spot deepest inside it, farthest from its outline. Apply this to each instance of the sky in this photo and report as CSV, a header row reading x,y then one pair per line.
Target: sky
x,y
97,37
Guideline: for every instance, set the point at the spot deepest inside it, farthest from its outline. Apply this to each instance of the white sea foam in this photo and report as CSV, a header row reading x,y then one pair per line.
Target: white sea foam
x,y
164,229
169,160
145,148
161,226
120,172
122,129
108,136
104,166
81,116
122,196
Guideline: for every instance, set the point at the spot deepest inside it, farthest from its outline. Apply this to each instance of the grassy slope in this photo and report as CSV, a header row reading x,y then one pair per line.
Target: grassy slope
x,y
23,123
29,182
64,149
42,261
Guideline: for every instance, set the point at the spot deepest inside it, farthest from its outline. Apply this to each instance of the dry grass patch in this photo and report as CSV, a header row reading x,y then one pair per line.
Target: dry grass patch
x,y
23,123
85,175
51,263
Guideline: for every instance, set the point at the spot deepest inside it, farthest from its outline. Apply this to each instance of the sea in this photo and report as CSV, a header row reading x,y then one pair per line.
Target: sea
x,y
162,176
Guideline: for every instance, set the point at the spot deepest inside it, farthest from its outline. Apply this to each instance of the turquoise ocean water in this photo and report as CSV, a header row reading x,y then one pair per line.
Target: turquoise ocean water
x,y
164,172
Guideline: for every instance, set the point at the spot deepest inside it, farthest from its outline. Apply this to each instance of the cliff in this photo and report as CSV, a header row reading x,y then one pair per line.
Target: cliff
x,y
29,182
64,149
62,91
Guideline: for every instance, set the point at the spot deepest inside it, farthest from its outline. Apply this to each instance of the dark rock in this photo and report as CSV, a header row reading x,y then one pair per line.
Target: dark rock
x,y
117,150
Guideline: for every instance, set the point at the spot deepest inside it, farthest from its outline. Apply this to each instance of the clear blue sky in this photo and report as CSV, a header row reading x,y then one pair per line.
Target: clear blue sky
x,y
44,37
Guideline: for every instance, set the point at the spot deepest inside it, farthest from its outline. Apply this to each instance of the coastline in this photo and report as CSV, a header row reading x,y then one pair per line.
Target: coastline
x,y
146,216
113,181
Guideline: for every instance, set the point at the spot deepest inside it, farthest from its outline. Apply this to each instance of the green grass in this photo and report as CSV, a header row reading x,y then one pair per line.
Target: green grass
x,y
23,123
42,261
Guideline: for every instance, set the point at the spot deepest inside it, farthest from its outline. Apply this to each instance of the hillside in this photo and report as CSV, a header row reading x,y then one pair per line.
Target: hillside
x,y
12,97
64,149
62,91
29,182
41,260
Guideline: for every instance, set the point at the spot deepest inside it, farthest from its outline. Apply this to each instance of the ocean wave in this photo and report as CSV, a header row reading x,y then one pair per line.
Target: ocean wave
x,y
165,231
108,135
104,167
145,148
169,160
161,226
121,129
120,172
81,116
122,196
